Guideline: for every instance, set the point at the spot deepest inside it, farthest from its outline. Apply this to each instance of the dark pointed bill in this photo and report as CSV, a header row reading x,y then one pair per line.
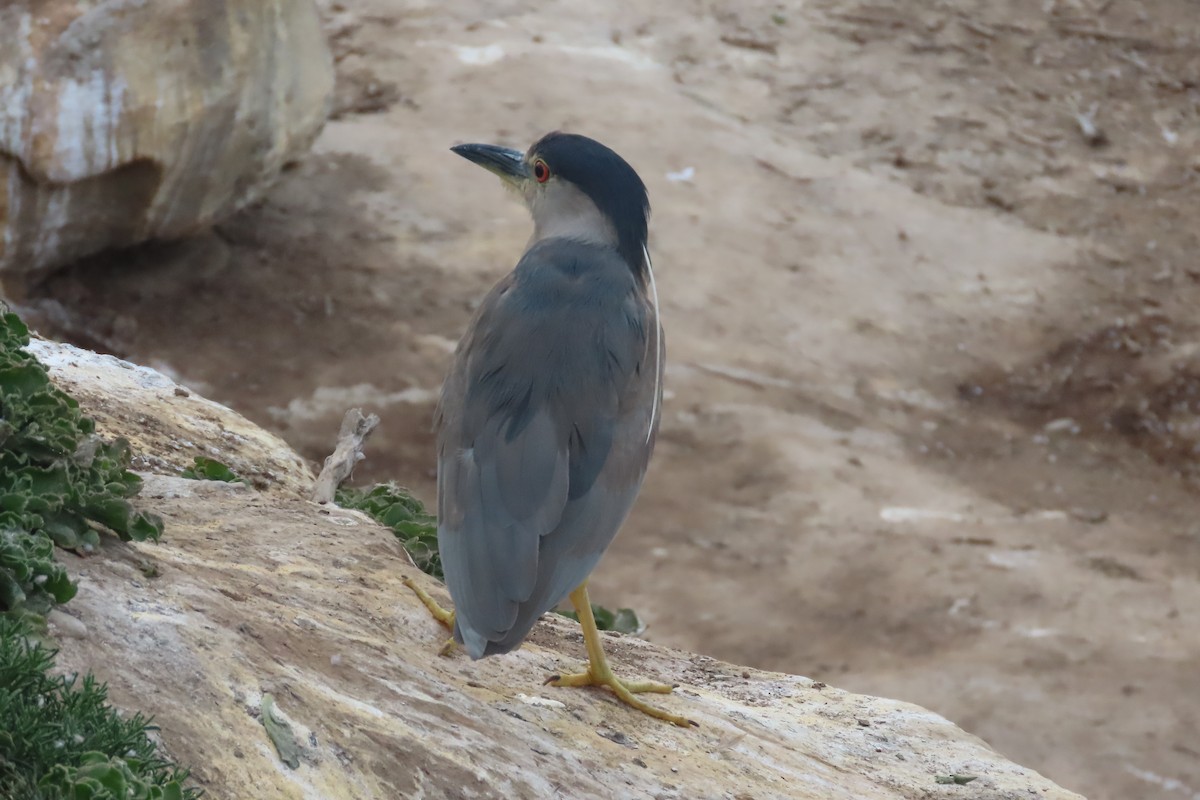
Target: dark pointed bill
x,y
507,163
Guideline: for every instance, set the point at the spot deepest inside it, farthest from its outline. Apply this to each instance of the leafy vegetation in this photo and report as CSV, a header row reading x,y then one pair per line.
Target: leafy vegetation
x,y
59,738
405,515
59,483
99,777
209,469
623,620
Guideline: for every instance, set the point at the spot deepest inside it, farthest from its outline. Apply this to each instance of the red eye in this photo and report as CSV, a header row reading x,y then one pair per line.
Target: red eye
x,y
540,171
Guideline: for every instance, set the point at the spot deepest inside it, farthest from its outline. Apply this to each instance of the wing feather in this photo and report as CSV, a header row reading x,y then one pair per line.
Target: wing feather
x,y
535,469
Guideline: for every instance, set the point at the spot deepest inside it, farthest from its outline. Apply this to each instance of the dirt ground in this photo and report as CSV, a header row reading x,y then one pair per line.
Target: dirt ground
x,y
928,274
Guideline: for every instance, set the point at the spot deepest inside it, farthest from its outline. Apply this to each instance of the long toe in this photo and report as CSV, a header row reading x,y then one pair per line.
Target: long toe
x,y
625,693
638,687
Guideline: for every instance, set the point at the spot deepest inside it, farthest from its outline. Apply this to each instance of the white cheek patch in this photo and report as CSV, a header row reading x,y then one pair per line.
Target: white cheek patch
x,y
562,210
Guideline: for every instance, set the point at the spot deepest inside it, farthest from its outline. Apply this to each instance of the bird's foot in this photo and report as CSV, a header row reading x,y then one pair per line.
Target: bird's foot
x,y
442,615
588,679
624,690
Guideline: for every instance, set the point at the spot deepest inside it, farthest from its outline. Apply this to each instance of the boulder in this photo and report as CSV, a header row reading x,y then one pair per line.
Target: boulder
x,y
261,592
126,120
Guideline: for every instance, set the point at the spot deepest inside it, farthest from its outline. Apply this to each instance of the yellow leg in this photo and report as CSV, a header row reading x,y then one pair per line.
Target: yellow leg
x,y
440,614
600,674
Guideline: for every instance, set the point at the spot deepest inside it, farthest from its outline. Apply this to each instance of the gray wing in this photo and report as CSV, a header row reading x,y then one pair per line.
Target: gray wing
x,y
544,436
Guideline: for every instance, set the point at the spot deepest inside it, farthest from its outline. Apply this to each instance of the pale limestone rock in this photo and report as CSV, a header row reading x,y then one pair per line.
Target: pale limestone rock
x,y
267,592
168,425
125,120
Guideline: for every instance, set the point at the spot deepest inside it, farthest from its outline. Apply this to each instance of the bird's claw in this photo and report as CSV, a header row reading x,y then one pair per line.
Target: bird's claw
x,y
625,691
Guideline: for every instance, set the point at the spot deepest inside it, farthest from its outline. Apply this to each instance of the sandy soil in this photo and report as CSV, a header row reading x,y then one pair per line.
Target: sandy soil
x,y
932,420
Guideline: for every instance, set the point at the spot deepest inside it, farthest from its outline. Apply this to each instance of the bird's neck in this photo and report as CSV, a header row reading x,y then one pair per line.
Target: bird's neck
x,y
568,213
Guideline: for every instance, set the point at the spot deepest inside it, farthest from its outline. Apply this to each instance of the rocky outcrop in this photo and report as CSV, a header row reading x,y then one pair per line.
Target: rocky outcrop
x,y
123,121
259,591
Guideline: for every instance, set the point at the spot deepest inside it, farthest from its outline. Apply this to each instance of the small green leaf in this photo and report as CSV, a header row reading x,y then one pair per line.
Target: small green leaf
x,y
14,331
395,515
13,503
604,617
958,780
209,469
59,585
413,529
626,621
146,526
24,380
280,733
63,533
11,594
108,775
114,512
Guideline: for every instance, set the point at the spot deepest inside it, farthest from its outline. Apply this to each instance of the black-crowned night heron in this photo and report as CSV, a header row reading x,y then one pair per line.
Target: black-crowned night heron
x,y
551,408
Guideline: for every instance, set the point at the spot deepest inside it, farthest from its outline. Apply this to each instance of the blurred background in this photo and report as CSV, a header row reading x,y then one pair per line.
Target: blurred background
x,y
928,272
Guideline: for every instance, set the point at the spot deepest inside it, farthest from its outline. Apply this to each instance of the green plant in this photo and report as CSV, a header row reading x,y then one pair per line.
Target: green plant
x,y
99,777
59,482
623,620
209,469
957,780
60,739
405,515
281,733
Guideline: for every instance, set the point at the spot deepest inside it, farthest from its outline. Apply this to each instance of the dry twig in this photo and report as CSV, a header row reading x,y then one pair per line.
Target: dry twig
x,y
348,452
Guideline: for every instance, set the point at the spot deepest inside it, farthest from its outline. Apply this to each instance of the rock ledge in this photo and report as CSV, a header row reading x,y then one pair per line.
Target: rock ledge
x,y
261,591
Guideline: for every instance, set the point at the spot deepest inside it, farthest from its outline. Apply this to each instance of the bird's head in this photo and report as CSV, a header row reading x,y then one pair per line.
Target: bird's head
x,y
575,188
